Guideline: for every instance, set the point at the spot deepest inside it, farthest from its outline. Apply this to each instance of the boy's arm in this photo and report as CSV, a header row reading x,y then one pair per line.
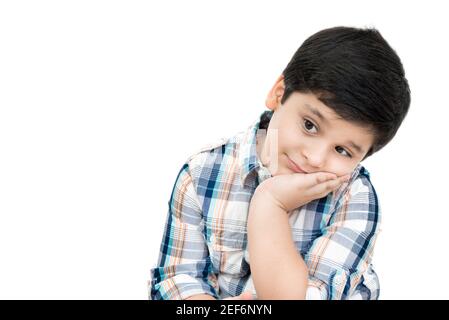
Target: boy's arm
x,y
184,268
278,271
337,259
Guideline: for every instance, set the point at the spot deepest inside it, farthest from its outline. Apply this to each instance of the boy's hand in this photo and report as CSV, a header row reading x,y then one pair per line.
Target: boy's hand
x,y
291,191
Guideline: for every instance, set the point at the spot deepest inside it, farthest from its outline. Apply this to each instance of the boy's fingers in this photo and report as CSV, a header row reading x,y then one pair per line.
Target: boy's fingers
x,y
325,187
316,178
322,177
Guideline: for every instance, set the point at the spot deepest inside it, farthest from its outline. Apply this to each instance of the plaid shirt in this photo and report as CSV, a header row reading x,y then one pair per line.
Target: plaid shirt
x,y
204,245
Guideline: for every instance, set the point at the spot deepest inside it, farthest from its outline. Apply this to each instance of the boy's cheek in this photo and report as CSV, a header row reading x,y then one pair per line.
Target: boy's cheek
x,y
342,170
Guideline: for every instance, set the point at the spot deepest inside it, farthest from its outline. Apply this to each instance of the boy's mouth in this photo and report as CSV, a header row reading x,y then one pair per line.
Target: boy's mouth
x,y
294,167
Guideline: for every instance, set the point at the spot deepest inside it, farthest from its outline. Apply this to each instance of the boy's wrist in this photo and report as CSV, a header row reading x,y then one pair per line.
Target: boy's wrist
x,y
262,197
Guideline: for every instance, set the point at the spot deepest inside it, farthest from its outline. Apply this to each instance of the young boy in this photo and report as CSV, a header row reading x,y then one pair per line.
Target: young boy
x,y
284,210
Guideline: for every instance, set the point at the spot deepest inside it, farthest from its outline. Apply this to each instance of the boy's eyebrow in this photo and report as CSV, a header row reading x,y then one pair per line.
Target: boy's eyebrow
x,y
322,118
356,147
315,112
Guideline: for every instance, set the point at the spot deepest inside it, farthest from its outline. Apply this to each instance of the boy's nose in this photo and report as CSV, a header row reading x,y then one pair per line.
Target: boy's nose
x,y
316,158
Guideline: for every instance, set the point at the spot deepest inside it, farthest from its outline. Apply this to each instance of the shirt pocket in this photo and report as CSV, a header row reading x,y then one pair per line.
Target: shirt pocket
x,y
227,252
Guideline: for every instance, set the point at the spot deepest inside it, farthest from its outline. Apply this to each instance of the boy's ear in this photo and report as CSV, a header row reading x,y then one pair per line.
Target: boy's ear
x,y
273,100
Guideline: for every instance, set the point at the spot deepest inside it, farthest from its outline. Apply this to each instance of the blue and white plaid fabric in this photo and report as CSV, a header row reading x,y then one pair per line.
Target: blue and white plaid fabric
x,y
204,246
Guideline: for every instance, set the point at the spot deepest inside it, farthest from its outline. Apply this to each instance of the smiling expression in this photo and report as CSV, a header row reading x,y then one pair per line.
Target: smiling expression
x,y
305,133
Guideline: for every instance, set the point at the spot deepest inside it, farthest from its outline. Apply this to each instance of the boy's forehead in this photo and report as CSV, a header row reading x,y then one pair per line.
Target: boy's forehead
x,y
311,103
308,102
324,113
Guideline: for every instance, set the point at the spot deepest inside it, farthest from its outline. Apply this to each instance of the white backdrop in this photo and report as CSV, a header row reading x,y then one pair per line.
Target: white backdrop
x,y
101,102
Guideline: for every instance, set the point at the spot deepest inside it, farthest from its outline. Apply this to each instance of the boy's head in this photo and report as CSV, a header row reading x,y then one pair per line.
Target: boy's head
x,y
341,98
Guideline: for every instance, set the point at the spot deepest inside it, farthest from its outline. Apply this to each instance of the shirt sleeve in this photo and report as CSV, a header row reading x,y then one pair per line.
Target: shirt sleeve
x,y
338,259
184,266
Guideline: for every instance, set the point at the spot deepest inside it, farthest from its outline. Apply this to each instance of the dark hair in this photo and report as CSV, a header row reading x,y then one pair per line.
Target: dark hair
x,y
356,73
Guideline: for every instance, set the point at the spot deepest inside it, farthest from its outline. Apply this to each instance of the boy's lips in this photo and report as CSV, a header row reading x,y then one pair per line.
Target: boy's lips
x,y
293,166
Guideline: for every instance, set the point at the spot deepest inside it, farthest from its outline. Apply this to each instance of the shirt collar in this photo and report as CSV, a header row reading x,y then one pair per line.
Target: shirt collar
x,y
248,157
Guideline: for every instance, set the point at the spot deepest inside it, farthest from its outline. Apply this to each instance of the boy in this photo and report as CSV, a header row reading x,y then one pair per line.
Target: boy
x,y
284,210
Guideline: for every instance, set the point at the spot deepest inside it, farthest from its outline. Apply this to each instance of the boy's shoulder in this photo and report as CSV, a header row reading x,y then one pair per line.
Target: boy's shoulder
x,y
216,151
207,148
359,180
359,188
203,160
362,179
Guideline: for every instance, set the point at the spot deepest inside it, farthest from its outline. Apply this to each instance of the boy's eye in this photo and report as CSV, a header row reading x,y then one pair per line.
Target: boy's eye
x,y
341,149
308,125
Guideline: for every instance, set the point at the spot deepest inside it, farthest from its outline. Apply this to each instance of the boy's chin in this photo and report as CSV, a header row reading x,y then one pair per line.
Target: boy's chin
x,y
278,169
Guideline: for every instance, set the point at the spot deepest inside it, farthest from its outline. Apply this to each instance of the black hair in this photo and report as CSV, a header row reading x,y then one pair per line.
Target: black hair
x,y
356,73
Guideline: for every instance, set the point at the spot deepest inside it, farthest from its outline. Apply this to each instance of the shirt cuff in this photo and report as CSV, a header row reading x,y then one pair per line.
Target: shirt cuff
x,y
179,287
316,290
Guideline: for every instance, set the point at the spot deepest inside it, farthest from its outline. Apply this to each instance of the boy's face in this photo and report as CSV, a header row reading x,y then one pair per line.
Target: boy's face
x,y
296,132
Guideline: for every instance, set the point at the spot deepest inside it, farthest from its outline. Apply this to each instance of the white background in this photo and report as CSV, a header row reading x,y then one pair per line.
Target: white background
x,y
101,102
